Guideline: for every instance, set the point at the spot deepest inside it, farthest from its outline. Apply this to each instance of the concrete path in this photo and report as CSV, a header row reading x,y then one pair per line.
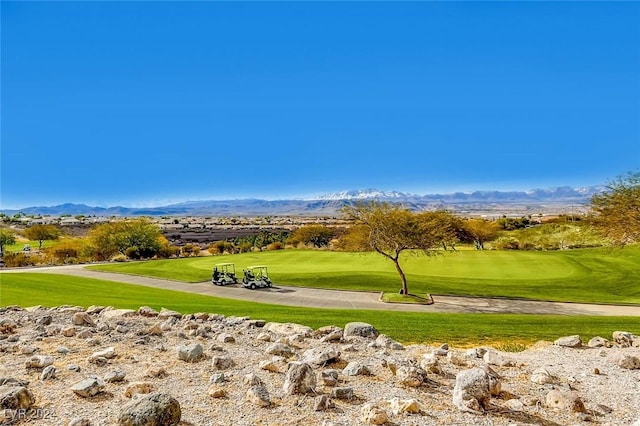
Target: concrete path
x,y
319,298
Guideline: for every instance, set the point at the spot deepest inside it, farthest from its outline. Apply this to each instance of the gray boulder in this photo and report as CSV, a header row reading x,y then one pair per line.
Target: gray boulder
x,y
471,392
569,341
360,329
356,369
156,409
191,353
300,379
88,387
16,397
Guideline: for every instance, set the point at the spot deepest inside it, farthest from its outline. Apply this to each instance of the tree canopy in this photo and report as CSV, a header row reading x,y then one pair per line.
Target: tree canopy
x,y
390,229
7,237
616,212
479,231
133,238
318,235
41,233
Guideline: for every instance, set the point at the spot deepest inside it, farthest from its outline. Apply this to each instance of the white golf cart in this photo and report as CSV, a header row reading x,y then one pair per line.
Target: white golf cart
x,y
256,277
224,274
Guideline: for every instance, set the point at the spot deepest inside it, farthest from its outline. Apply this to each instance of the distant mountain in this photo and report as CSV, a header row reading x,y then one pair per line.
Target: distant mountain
x,y
538,200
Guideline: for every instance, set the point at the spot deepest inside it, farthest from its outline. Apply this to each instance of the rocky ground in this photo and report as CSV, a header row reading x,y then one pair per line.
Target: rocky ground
x,y
71,366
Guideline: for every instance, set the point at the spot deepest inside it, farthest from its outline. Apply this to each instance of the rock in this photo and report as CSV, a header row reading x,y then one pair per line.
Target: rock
x,y
598,342
138,388
168,313
356,369
471,392
122,329
191,353
217,378
107,353
44,320
569,341
79,421
94,310
28,350
360,329
411,376
85,334
215,391
329,377
334,336
623,338
109,314
264,337
399,406
252,379
147,311
542,376
74,367
40,361
514,405
222,362
288,328
226,338
62,350
384,341
16,397
430,364
443,350
88,387
344,393
323,403
456,359
114,376
320,355
373,414
48,373
83,319
565,400
475,352
299,379
629,362
156,409
492,357
279,349
258,395
268,366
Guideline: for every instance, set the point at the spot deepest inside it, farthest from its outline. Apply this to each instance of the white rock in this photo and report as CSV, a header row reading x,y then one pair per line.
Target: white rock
x,y
300,379
564,400
373,414
542,376
88,387
399,406
40,361
472,391
569,341
138,388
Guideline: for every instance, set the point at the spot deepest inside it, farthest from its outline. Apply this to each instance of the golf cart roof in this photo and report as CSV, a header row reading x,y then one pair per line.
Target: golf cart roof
x,y
223,264
256,266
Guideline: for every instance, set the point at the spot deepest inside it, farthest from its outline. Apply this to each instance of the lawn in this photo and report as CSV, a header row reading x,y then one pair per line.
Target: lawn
x,y
599,275
27,289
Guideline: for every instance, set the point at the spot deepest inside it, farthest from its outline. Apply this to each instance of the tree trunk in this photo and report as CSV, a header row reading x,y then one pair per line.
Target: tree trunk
x,y
405,289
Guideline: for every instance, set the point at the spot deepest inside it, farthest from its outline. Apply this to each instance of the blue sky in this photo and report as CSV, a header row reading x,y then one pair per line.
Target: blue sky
x,y
146,103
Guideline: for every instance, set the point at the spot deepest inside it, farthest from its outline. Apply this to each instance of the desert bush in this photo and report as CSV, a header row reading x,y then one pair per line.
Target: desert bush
x,y
132,252
18,259
119,258
244,247
275,246
168,251
506,243
67,249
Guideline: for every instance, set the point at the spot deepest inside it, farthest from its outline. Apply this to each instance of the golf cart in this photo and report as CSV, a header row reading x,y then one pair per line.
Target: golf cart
x,y
224,274
256,277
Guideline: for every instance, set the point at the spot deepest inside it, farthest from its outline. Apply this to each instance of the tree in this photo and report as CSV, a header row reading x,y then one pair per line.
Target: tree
x,y
391,229
41,233
7,237
616,212
139,236
318,235
480,231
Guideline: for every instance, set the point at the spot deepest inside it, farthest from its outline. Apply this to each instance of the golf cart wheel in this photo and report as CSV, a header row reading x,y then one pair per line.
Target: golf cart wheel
x,y
253,287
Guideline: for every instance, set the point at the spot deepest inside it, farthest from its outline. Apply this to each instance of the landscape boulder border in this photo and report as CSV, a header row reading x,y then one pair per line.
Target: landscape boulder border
x,y
106,366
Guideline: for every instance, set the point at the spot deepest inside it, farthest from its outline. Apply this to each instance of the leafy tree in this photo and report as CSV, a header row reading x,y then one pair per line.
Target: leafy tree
x,y
480,231
391,229
7,237
616,212
318,235
112,238
42,233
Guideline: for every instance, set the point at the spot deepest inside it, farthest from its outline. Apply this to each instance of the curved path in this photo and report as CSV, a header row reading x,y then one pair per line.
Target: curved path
x,y
340,299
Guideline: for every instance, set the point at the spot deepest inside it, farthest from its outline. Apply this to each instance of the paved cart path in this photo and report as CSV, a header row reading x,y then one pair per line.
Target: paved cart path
x,y
321,298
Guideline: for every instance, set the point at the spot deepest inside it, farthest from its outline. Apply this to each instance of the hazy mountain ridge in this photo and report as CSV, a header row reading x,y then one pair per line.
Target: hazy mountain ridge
x,y
331,203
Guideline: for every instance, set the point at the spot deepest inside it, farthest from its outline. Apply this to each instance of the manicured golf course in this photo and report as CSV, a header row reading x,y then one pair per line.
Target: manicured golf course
x,y
28,289
602,275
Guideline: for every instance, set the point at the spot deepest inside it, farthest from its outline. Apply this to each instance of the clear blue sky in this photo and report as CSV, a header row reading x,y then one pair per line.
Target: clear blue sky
x,y
142,103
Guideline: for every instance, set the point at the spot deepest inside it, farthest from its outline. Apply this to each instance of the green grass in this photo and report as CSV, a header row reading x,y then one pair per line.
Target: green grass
x,y
599,275
406,298
27,289
18,246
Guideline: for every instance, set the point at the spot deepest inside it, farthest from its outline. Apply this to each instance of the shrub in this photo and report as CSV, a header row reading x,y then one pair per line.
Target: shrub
x,y
275,246
506,243
132,252
15,260
119,258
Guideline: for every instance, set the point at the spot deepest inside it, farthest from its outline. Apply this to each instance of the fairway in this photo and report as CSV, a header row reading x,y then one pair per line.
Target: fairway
x,y
588,275
28,289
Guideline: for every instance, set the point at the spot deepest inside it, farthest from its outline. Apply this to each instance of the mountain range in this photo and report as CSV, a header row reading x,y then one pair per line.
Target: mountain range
x,y
538,200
